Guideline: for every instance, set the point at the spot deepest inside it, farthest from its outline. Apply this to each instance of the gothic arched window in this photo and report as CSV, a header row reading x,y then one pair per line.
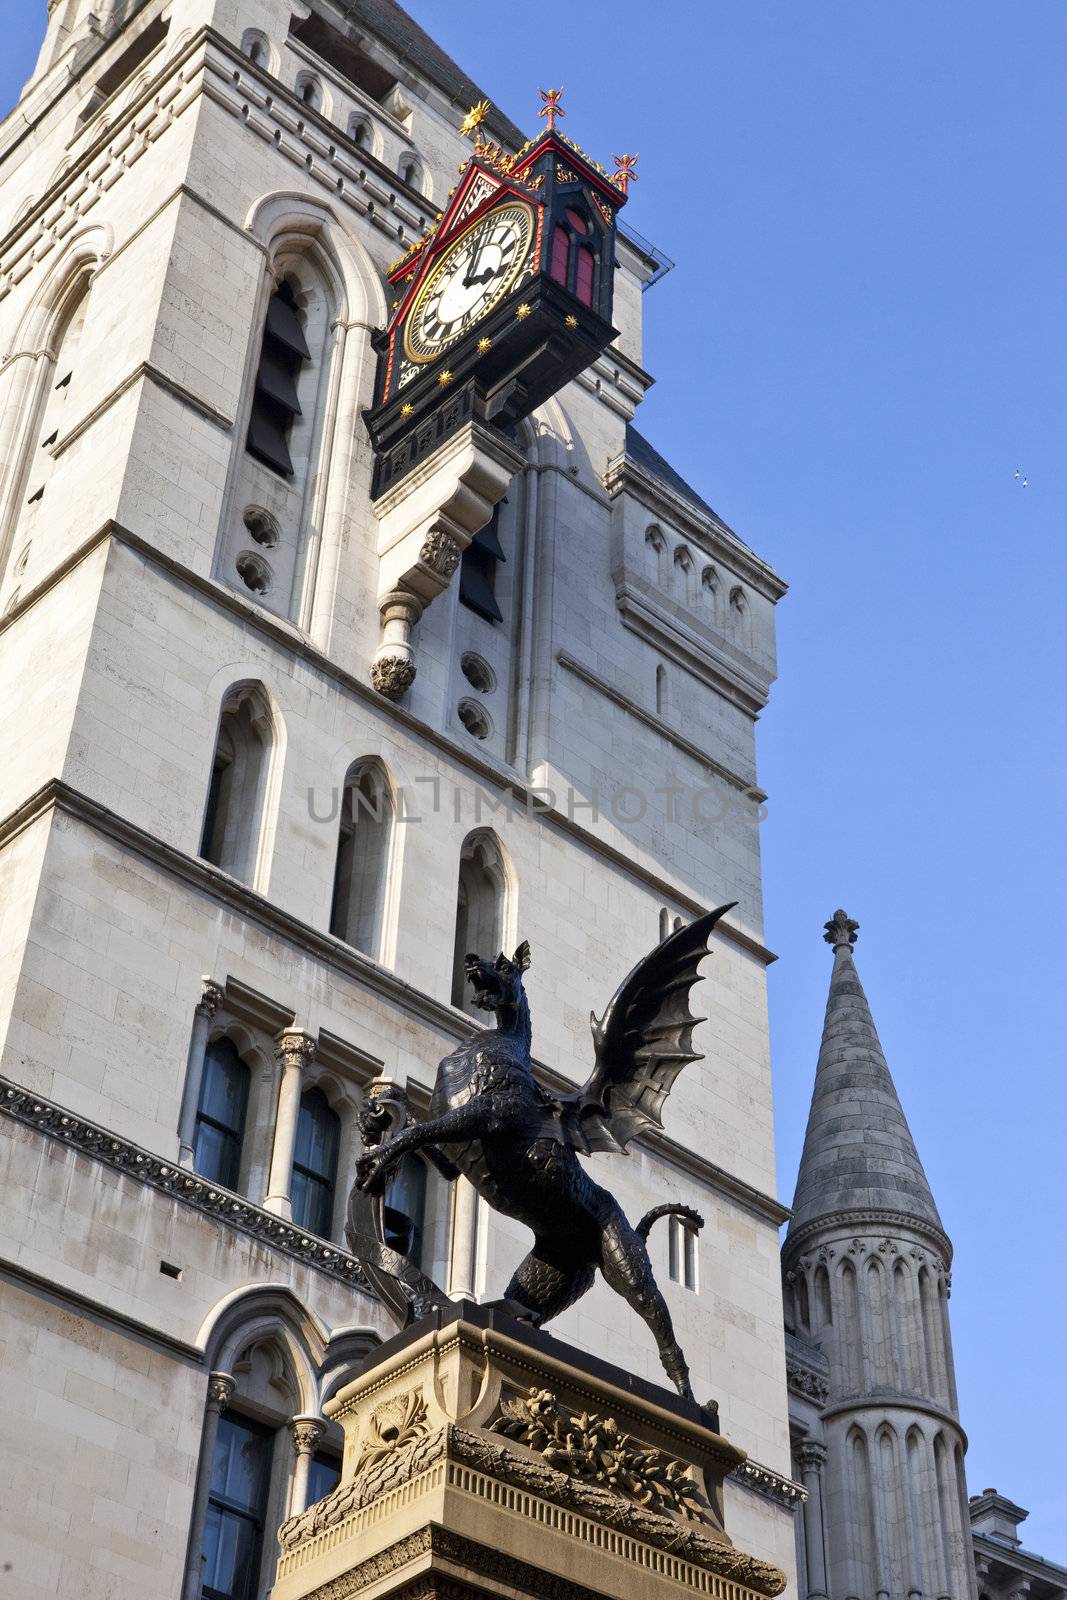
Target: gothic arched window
x,y
363,849
572,262
237,792
220,1115
314,1180
480,909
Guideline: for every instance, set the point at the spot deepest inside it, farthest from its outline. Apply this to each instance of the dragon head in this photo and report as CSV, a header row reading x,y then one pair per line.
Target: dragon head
x,y
497,984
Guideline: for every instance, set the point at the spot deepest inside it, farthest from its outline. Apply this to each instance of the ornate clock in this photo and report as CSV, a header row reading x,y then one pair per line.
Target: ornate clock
x,y
505,300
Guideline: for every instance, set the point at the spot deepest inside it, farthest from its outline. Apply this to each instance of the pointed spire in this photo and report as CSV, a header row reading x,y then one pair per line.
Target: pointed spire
x,y
858,1150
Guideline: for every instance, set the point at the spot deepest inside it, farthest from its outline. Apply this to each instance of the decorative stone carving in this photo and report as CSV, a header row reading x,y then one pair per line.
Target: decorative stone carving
x,y
393,676
841,929
440,553
811,1455
802,1381
211,998
771,1485
306,1433
595,1448
295,1048
393,1424
220,1388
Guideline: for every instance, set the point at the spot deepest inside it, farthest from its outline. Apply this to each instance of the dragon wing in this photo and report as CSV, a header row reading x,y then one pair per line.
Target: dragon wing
x,y
642,1042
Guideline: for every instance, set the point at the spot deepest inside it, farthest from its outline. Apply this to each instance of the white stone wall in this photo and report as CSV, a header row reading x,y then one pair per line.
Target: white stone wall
x,y
174,200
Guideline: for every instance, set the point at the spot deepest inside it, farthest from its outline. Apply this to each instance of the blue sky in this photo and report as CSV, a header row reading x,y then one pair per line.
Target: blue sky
x,y
864,339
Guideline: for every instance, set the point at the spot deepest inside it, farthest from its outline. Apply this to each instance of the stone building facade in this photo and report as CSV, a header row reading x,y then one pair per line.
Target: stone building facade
x,y
233,877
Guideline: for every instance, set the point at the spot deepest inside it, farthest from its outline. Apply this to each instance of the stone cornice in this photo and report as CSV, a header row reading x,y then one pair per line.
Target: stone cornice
x,y
841,1223
497,777
657,724
704,527
434,1014
221,1205
769,1485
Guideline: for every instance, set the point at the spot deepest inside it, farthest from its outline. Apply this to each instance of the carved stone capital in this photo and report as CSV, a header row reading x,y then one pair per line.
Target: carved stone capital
x,y
305,1433
811,1456
295,1048
211,999
220,1387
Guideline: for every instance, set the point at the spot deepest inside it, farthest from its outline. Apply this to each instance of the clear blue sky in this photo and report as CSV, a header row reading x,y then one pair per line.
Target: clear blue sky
x,y
865,336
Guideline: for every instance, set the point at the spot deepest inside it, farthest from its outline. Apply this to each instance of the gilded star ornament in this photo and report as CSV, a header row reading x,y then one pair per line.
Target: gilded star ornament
x,y
474,119
407,409
484,344
571,321
445,377
523,311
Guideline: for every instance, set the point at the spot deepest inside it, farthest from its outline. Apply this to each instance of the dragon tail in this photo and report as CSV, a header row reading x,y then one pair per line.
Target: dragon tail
x,y
694,1218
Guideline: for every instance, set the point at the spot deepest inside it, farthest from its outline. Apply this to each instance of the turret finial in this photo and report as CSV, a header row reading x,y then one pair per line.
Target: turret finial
x,y
551,106
841,930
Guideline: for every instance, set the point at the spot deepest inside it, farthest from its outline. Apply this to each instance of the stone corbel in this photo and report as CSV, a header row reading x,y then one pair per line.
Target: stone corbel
x,y
424,525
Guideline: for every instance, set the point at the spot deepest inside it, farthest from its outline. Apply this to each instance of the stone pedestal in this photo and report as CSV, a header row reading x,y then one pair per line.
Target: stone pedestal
x,y
483,1458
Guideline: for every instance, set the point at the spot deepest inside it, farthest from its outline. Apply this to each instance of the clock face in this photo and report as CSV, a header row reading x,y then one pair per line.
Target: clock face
x,y
468,279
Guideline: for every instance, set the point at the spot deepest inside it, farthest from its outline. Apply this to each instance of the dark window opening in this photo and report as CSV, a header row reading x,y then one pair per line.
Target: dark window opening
x,y
128,62
404,1212
324,1475
275,405
344,56
477,572
220,1116
236,1509
315,1164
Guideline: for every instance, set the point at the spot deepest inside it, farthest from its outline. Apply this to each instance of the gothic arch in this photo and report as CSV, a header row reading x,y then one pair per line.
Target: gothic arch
x,y
485,904
270,1313
366,869
239,817
290,221
28,366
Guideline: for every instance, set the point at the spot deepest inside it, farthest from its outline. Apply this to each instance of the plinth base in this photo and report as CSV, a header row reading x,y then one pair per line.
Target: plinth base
x,y
483,1458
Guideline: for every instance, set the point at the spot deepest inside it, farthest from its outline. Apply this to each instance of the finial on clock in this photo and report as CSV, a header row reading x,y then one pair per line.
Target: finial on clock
x,y
625,172
472,122
551,105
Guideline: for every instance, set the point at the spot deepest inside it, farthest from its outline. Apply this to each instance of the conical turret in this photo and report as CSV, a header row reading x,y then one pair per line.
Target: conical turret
x,y
858,1151
872,1391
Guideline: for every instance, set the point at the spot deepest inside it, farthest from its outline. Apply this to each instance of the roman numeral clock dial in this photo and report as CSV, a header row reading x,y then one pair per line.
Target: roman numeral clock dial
x,y
473,274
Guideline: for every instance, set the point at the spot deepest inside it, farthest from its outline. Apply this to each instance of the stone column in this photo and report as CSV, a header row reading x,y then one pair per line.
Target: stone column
x,y
295,1050
220,1389
305,1433
811,1457
461,1266
206,1007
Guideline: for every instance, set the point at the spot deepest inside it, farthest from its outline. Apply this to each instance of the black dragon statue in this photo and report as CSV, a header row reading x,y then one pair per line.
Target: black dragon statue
x,y
519,1145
